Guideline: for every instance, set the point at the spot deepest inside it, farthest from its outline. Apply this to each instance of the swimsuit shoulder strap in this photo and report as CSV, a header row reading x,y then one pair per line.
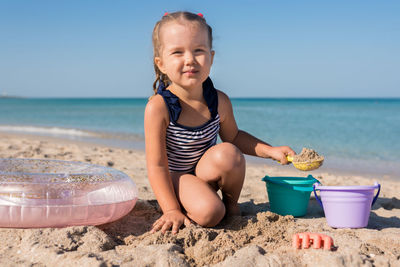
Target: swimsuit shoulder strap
x,y
174,107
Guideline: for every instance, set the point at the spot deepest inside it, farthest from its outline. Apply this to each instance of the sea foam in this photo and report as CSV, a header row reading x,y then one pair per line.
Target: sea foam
x,y
45,130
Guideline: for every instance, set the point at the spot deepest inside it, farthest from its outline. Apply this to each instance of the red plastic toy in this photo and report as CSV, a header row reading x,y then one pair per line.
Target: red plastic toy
x,y
304,240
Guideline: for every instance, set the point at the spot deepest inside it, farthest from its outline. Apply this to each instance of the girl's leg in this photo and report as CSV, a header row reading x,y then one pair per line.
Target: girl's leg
x,y
223,167
199,199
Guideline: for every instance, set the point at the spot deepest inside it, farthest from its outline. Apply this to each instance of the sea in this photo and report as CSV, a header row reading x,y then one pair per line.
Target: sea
x,y
359,136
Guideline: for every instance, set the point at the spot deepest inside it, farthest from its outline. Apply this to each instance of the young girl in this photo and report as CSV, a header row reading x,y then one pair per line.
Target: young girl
x,y
185,166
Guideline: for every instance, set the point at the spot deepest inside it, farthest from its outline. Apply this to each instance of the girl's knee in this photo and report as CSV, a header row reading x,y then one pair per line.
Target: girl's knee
x,y
209,214
229,157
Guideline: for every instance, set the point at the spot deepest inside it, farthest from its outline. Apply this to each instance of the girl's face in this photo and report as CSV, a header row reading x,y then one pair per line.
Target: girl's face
x,y
186,56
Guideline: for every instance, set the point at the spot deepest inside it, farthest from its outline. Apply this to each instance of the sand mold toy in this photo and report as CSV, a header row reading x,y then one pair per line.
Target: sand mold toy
x,y
52,193
316,240
347,206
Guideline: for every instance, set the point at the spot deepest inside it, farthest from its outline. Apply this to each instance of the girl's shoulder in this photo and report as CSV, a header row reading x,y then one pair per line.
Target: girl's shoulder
x,y
222,96
155,101
223,99
156,108
224,105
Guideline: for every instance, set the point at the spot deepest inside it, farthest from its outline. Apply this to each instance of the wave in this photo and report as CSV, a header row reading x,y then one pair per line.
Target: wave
x,y
46,130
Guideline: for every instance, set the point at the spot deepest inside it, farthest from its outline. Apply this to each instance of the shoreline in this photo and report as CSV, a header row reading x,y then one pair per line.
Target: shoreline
x,y
135,144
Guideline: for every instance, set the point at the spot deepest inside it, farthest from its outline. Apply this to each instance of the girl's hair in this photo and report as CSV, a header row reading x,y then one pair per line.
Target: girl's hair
x,y
179,16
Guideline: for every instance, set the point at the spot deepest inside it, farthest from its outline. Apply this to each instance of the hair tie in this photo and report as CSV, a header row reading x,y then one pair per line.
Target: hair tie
x,y
166,13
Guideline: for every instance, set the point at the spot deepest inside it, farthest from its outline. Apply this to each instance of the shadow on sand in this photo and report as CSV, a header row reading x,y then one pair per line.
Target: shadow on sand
x,y
314,211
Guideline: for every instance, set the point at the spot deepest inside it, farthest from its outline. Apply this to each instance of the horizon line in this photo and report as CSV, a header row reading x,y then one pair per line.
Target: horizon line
x,y
237,97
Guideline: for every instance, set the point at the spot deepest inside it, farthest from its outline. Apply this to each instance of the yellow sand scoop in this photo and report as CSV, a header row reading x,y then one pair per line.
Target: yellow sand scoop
x,y
306,165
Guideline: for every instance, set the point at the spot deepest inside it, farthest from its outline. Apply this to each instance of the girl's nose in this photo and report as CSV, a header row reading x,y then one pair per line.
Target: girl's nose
x,y
189,58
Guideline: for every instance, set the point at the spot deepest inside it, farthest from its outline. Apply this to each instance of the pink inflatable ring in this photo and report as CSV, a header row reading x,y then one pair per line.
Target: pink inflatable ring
x,y
52,193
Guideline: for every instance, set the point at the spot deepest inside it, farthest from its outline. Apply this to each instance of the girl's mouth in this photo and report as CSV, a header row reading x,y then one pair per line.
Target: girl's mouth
x,y
190,72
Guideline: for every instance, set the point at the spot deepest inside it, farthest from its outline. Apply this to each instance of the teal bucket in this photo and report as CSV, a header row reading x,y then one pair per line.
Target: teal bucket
x,y
289,195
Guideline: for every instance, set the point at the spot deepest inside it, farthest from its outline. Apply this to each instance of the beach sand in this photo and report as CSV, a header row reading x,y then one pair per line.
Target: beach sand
x,y
257,238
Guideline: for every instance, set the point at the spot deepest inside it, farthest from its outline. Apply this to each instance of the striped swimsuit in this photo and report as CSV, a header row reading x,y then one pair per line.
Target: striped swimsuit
x,y
186,145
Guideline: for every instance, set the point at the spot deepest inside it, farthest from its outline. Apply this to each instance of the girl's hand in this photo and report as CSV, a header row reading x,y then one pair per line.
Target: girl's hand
x,y
171,219
279,153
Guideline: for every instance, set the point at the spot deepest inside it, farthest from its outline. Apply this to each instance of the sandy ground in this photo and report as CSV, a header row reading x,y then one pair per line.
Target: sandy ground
x,y
257,238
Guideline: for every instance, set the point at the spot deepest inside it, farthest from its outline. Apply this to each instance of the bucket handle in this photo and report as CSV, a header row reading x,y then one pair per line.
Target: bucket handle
x,y
377,194
373,201
316,196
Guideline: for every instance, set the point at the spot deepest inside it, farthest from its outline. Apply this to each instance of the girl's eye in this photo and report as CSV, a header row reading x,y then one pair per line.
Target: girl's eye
x,y
176,52
199,50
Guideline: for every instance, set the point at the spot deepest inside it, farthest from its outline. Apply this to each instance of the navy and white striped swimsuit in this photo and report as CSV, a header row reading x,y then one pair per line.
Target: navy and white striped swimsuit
x,y
186,145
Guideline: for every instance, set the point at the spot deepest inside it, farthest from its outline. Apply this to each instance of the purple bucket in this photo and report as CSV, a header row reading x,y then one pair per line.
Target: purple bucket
x,y
347,206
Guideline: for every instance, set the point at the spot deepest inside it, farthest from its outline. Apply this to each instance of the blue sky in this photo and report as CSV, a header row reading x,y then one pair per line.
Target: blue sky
x,y
263,48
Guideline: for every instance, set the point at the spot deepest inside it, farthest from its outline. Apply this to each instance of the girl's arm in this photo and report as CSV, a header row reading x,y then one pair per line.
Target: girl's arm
x,y
246,142
155,124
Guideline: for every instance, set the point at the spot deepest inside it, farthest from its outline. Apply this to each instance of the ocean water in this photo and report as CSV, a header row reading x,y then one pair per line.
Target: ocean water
x,y
354,135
